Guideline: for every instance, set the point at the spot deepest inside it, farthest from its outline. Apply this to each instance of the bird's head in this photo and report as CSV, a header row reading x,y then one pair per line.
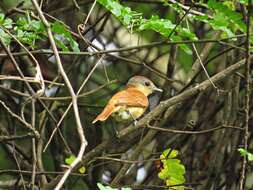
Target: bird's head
x,y
143,84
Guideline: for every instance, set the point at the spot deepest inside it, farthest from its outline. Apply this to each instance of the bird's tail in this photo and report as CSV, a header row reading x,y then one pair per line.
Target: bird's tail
x,y
104,114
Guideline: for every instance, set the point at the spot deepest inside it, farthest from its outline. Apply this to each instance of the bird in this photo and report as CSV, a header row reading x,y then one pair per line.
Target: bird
x,y
131,103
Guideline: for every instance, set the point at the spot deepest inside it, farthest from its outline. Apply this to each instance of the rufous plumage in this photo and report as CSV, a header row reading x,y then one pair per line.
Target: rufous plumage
x,y
130,103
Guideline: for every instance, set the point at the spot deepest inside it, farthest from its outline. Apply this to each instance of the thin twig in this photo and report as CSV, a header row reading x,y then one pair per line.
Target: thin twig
x,y
33,147
193,132
90,11
27,125
16,137
76,4
38,76
201,63
80,131
247,94
68,108
28,79
25,172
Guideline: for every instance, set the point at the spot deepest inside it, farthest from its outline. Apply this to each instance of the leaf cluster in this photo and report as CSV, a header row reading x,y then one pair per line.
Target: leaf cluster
x,y
173,170
29,31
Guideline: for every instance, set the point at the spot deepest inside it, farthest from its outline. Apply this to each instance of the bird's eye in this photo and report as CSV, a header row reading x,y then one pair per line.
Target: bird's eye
x,y
147,83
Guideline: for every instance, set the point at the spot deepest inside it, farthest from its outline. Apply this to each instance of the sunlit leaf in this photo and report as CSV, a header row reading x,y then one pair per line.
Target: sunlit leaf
x,y
173,171
71,159
244,152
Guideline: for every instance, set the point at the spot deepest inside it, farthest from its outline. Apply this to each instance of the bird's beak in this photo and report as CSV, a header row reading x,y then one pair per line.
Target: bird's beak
x,y
157,89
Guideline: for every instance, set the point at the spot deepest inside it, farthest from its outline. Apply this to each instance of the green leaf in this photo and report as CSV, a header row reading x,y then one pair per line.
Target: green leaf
x,y
244,2
174,184
22,23
173,171
27,37
61,44
230,16
60,29
5,37
164,27
132,19
37,26
184,47
28,31
7,23
1,18
74,45
244,152
102,187
82,170
168,153
71,159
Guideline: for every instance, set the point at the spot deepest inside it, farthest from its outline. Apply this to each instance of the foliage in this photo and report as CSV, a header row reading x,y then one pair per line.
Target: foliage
x,y
246,153
224,18
134,21
71,159
29,31
6,23
61,30
173,171
102,187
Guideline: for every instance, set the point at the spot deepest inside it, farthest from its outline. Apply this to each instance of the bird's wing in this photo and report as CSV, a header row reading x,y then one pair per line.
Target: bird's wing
x,y
131,98
108,110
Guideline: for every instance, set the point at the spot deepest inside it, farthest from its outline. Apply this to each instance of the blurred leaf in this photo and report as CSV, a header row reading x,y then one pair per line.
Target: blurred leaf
x,y
102,187
244,152
60,29
7,23
61,44
71,159
166,28
184,47
244,2
1,18
5,37
82,170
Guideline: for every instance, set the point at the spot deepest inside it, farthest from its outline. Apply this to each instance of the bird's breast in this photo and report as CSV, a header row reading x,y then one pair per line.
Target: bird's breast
x,y
126,114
